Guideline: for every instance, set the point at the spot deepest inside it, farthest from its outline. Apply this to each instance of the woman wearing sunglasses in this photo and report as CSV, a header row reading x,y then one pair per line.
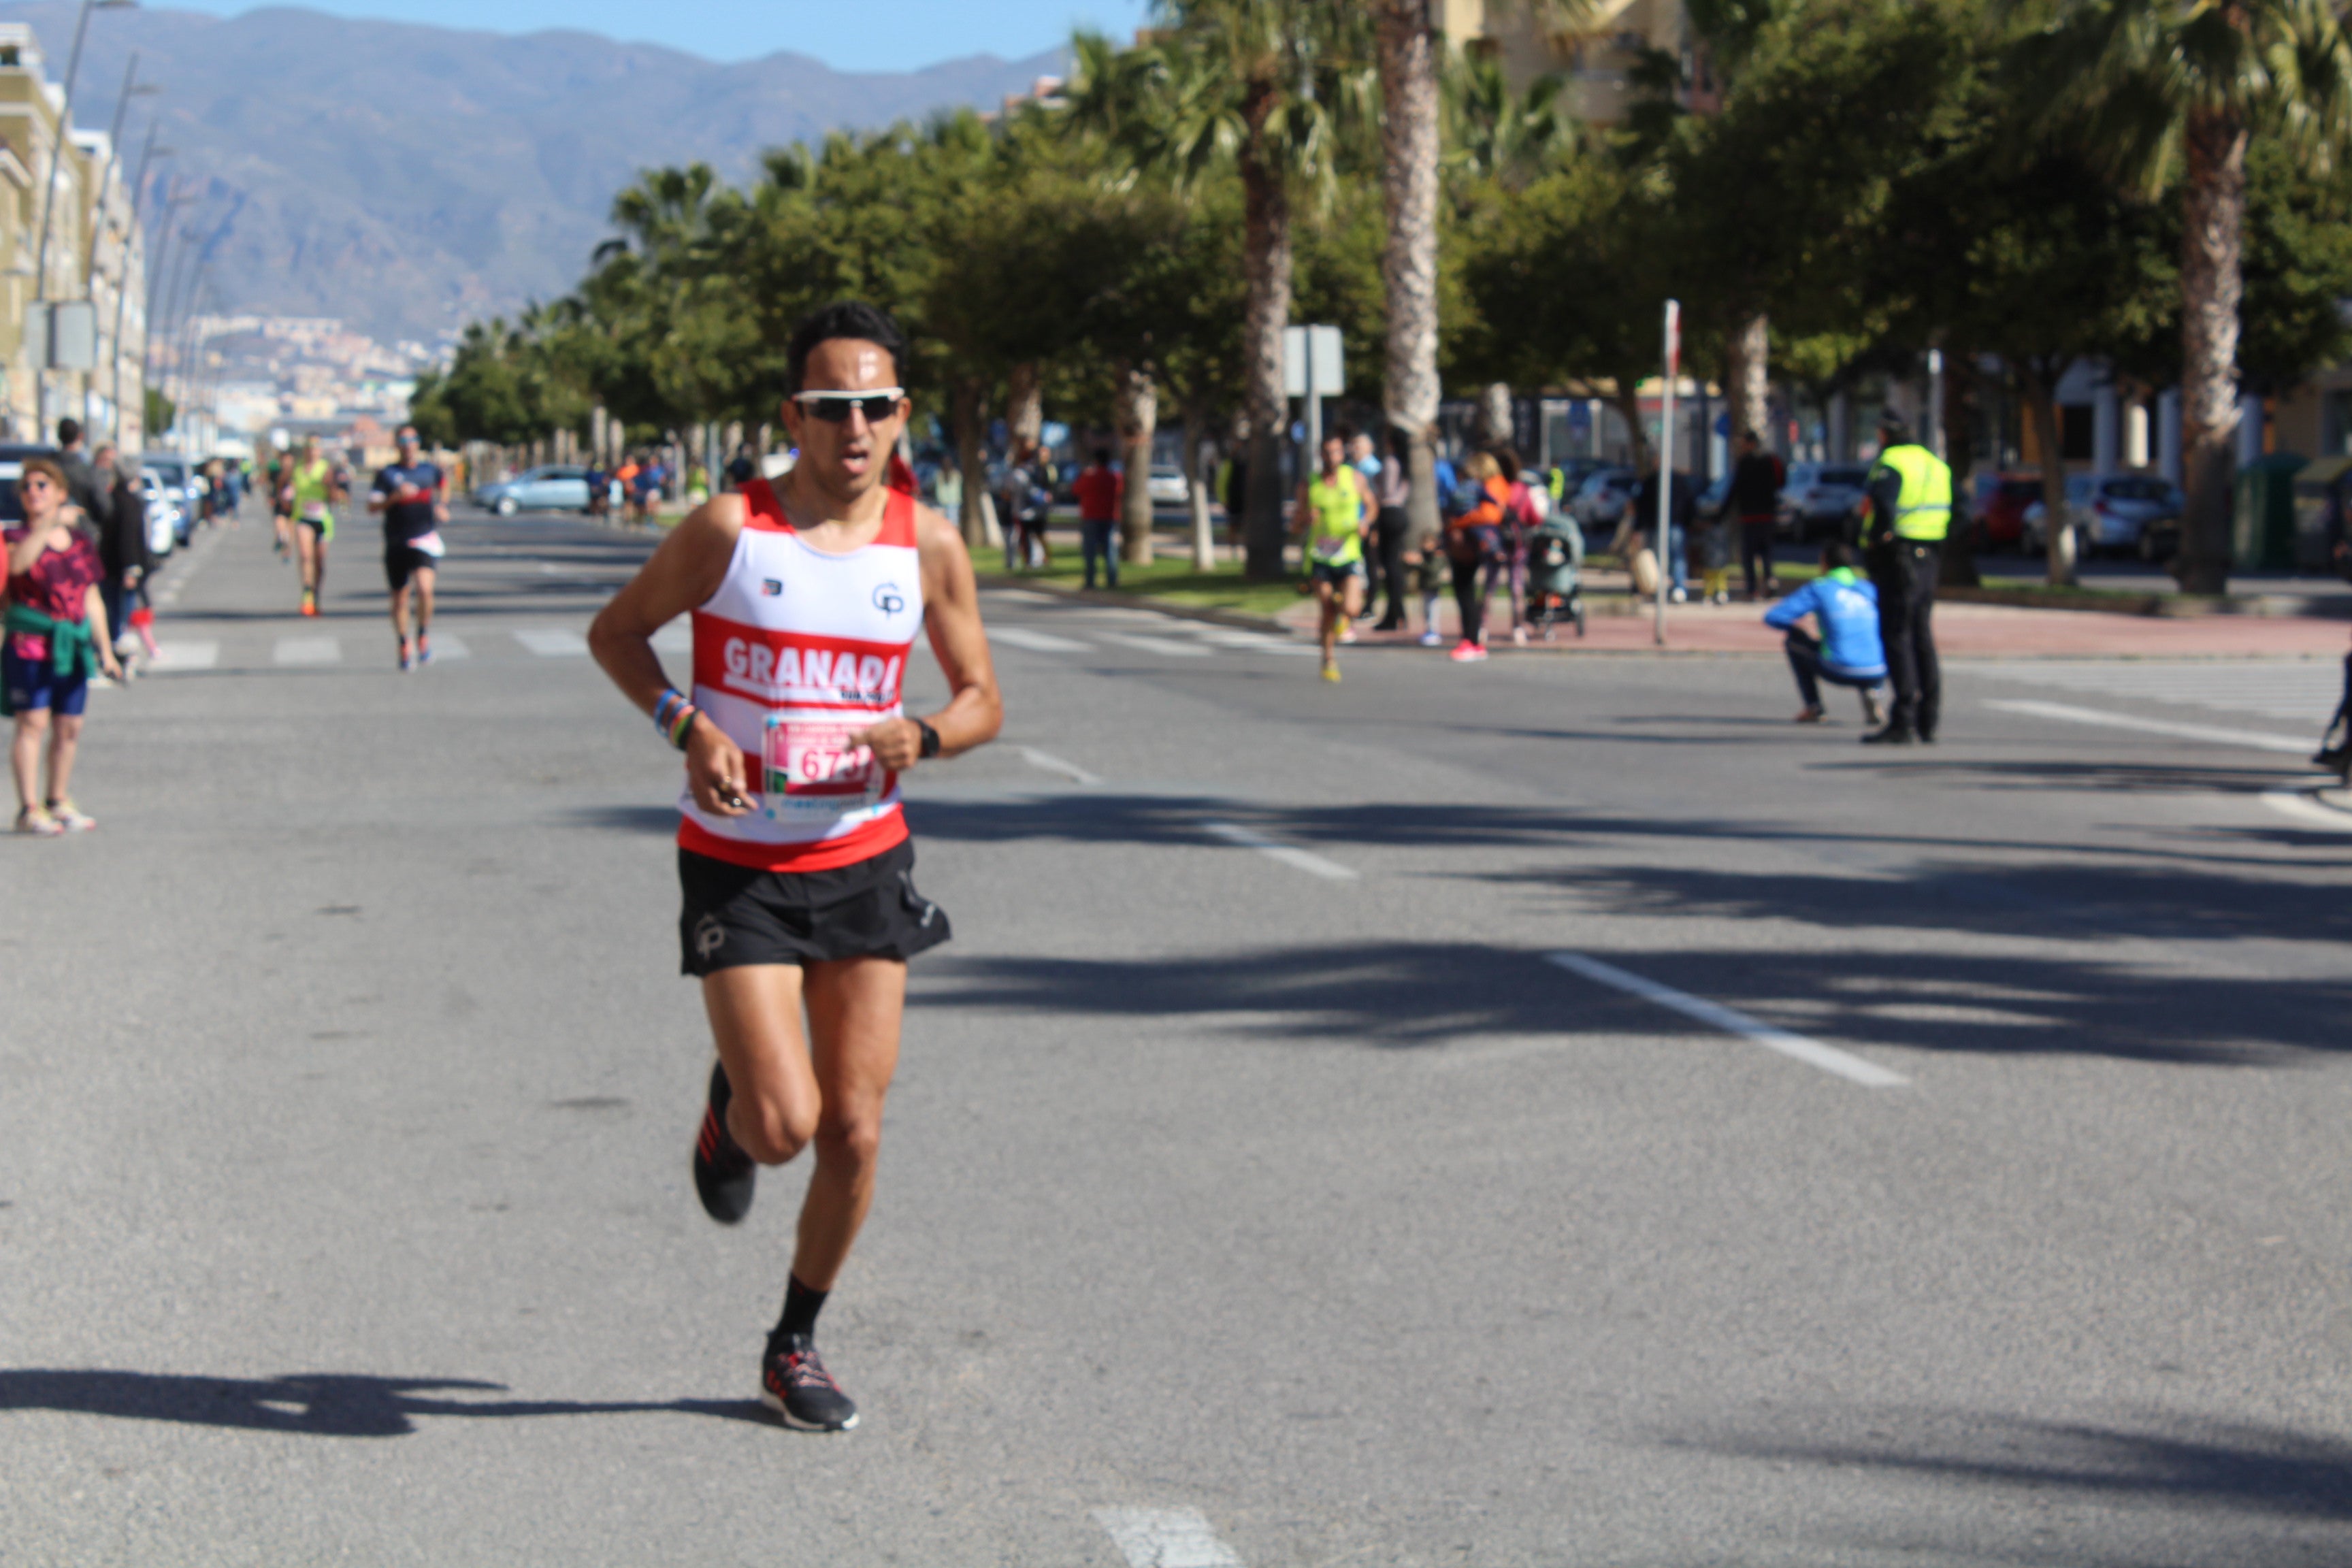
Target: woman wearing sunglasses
x,y
53,637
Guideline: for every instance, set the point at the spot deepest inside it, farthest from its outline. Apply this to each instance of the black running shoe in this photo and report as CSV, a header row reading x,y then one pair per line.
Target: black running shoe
x,y
795,1386
723,1173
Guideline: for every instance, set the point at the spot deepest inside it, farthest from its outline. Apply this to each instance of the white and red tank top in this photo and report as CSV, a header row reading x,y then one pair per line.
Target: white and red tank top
x,y
797,651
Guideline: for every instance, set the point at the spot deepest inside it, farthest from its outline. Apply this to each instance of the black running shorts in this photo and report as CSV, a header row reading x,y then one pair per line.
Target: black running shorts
x,y
403,562
734,915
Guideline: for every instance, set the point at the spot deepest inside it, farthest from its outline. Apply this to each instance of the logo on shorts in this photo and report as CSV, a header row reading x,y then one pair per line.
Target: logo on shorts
x,y
771,587
888,600
709,936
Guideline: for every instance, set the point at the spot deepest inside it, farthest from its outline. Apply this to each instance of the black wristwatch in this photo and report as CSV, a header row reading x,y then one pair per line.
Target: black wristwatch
x,y
931,740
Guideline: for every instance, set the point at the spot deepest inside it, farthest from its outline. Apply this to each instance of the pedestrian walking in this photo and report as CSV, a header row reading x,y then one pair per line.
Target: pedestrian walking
x,y
54,635
1099,492
1523,513
1909,514
1755,501
1392,490
1848,650
1682,509
122,549
1474,549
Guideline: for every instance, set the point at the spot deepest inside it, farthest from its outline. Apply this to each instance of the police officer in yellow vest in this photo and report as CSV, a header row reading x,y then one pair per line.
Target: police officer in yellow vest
x,y
1903,534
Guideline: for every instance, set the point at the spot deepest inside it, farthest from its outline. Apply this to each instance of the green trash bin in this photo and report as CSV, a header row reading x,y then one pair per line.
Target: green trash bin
x,y
2262,533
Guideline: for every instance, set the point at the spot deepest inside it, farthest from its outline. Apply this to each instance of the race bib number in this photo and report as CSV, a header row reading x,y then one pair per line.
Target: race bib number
x,y
810,766
1328,547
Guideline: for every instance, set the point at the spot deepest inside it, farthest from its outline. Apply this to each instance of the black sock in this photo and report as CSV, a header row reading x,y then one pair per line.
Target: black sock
x,y
801,1306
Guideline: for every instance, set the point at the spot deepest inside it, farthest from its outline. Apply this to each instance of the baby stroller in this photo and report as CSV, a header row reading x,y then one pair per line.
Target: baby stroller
x,y
1554,574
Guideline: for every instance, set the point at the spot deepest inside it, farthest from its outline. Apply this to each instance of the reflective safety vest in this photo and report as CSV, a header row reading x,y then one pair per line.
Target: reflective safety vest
x,y
1923,509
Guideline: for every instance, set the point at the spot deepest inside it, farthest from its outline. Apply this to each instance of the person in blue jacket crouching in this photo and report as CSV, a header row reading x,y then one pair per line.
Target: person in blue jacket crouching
x,y
1848,652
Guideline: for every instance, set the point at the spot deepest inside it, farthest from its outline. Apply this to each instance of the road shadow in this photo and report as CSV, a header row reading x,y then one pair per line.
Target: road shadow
x,y
1417,995
317,1405
2231,1478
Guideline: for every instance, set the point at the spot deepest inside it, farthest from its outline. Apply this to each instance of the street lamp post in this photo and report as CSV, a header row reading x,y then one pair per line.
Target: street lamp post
x,y
122,289
56,155
131,88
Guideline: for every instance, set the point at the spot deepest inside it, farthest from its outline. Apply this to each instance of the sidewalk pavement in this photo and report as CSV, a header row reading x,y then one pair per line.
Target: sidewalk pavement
x,y
1962,631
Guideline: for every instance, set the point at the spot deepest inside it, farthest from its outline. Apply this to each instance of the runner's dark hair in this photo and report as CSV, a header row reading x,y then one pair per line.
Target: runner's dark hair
x,y
1835,554
843,318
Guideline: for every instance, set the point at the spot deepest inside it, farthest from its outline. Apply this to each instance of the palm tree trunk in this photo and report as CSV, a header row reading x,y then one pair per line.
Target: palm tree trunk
x,y
1266,258
1409,149
1747,381
1961,394
2041,407
1197,470
973,460
1494,421
1138,417
2211,281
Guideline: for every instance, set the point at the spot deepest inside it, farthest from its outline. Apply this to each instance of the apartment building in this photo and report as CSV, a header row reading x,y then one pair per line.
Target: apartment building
x,y
95,257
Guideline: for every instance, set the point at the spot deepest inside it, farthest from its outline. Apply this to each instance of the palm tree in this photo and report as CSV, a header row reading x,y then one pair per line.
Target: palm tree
x,y
1270,88
2147,86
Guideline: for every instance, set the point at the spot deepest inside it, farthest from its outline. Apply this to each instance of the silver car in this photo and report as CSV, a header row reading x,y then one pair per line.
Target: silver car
x,y
1823,500
2110,513
1601,500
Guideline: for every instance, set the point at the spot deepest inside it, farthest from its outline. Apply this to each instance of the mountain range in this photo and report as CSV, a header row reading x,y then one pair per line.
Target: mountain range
x,y
409,178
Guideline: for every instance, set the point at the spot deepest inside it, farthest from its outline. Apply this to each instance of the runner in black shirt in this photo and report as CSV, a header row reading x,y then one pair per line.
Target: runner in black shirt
x,y
412,497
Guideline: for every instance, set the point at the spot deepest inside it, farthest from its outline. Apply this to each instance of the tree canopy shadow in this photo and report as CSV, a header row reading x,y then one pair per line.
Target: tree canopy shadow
x,y
1417,995
317,1405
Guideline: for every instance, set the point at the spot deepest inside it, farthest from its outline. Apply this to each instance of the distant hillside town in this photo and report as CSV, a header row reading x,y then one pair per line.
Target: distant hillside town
x,y
276,377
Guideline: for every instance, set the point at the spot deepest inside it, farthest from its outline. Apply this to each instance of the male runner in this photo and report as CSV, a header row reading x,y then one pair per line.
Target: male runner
x,y
314,494
807,594
414,497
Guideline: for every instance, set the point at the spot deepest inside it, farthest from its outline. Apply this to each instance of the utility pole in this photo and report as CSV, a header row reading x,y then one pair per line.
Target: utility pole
x,y
122,289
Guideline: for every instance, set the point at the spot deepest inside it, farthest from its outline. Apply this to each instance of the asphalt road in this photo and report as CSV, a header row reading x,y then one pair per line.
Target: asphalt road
x,y
1296,1159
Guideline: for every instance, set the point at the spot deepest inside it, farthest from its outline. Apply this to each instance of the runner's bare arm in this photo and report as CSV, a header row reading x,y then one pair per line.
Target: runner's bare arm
x,y
975,709
685,571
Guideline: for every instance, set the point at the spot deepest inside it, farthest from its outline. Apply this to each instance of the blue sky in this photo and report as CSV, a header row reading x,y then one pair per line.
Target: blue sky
x,y
875,35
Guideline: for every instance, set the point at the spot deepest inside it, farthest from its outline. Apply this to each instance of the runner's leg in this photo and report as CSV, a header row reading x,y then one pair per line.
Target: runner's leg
x,y
424,600
855,1009
755,1021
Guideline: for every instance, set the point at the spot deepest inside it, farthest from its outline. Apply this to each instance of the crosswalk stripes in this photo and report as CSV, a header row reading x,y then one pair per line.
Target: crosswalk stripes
x,y
307,651
552,643
446,647
1167,647
186,655
1035,641
675,638
1166,639
2305,691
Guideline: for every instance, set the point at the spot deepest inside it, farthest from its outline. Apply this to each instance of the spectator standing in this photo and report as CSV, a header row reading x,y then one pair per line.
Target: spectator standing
x,y
84,489
122,549
599,485
1848,651
743,468
1682,506
1755,501
1392,488
1475,545
1099,490
53,637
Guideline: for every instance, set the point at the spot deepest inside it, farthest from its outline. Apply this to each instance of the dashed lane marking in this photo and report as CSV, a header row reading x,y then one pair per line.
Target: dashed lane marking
x,y
307,651
551,644
2300,805
446,646
171,656
1046,762
1813,1053
2205,733
1165,1537
1274,849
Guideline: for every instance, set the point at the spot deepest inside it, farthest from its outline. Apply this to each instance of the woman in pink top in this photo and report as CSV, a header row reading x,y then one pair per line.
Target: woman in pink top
x,y
55,636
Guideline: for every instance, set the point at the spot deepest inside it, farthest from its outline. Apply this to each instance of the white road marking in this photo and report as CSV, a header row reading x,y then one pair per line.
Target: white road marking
x,y
2205,732
1274,848
1049,763
1829,1058
184,656
1036,641
2299,805
1165,1537
446,646
2300,690
553,644
307,650
1252,642
675,638
1165,646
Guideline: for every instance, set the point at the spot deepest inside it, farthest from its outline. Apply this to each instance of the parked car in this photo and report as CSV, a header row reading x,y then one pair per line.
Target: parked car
x,y
2001,503
162,516
1601,500
2118,514
554,488
175,476
1823,500
1168,487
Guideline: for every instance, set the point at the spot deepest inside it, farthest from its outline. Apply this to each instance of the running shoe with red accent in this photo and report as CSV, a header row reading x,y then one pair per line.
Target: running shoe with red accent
x,y
407,657
1467,652
795,1386
424,649
723,1173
